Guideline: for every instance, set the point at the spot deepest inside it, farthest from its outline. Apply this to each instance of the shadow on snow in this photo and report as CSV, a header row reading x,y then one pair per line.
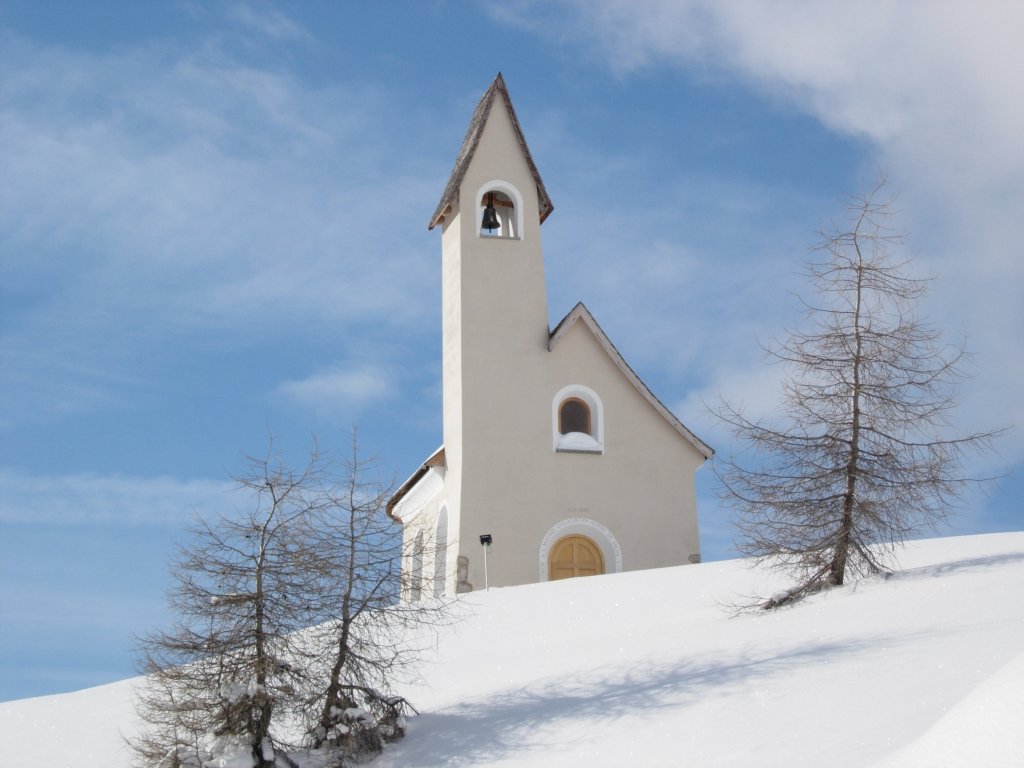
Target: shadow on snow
x,y
985,563
513,722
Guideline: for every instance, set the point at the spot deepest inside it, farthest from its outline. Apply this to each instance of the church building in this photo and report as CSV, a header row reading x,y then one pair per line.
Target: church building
x,y
557,459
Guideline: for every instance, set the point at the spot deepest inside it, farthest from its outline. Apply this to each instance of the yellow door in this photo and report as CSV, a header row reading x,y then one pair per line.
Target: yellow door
x,y
575,556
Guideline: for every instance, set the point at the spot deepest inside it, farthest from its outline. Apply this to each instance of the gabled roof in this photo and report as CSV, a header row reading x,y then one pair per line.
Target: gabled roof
x,y
580,313
469,145
436,459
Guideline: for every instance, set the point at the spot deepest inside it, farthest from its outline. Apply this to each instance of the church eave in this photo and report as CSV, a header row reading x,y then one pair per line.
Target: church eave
x,y
581,313
450,196
436,459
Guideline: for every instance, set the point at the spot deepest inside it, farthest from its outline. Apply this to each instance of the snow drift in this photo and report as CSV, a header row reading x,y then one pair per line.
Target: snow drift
x,y
652,668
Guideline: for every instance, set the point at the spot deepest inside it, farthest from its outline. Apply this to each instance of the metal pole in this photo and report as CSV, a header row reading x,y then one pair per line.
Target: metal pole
x,y
486,547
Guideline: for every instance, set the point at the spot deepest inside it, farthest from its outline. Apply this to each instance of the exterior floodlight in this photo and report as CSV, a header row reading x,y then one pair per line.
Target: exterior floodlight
x,y
485,539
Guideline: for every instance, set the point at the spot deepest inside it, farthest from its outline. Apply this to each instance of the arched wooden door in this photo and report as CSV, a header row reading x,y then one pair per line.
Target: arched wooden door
x,y
575,556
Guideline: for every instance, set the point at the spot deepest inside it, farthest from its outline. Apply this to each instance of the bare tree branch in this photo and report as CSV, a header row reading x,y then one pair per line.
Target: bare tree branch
x,y
860,458
290,635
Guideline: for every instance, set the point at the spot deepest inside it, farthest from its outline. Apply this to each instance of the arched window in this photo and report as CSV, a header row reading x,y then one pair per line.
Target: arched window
x,y
500,210
577,420
441,553
574,416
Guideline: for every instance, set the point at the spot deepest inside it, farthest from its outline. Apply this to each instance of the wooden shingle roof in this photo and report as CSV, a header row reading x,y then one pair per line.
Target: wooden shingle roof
x,y
450,197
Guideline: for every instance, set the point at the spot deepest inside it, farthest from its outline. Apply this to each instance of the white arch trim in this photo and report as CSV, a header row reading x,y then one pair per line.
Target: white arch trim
x,y
499,185
582,526
441,553
416,568
576,443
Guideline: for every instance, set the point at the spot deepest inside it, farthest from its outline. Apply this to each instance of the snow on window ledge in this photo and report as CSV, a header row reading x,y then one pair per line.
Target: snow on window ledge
x,y
578,442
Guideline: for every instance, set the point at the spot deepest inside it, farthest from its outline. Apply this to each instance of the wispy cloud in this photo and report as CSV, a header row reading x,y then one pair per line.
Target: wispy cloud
x,y
927,86
94,498
162,194
340,390
267,20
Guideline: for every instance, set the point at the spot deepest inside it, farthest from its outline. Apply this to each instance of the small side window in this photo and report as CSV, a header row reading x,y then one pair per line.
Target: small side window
x,y
577,420
574,416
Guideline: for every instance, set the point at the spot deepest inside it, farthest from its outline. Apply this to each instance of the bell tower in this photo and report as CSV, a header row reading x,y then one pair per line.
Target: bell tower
x,y
494,318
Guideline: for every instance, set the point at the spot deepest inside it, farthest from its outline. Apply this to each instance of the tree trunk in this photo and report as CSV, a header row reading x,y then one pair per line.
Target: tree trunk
x,y
334,685
841,552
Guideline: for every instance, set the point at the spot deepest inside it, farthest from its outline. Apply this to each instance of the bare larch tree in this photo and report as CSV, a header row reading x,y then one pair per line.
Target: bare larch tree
x,y
217,678
373,641
861,456
290,636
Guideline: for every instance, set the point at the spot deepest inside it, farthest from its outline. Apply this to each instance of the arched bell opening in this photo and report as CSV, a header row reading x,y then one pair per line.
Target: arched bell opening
x,y
499,215
499,211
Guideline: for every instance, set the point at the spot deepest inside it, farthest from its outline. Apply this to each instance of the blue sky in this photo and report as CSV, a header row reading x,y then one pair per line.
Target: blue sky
x,y
213,230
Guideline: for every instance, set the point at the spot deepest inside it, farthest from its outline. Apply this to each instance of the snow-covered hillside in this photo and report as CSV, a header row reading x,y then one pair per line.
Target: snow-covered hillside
x,y
925,668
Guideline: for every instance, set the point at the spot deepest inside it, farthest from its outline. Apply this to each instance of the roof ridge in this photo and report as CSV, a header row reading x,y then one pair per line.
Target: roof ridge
x,y
580,312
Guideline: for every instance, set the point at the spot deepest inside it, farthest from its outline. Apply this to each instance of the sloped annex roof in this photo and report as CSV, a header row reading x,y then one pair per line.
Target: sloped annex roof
x,y
580,313
476,128
436,459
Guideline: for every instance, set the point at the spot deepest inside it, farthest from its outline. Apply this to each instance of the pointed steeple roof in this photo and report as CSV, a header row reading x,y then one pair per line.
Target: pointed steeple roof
x,y
469,145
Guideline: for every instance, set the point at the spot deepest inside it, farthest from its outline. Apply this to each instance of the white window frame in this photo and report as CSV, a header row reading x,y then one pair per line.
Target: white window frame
x,y
591,398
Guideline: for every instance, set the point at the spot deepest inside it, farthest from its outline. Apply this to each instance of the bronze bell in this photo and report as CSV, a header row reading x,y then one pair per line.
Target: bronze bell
x,y
490,221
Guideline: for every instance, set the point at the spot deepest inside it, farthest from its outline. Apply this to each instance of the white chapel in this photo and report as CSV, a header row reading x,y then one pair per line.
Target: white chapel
x,y
557,460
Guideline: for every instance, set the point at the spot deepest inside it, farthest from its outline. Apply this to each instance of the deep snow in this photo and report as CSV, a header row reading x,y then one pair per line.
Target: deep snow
x,y
651,668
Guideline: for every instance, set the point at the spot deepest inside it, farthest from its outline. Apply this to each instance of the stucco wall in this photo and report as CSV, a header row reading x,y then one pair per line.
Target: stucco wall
x,y
641,488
